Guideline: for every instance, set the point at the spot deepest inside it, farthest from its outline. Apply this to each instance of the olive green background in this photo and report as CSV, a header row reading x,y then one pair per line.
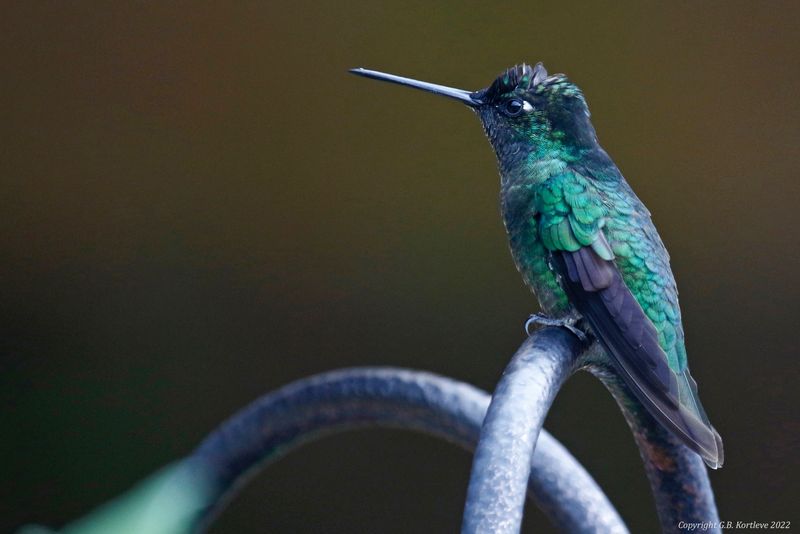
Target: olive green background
x,y
199,205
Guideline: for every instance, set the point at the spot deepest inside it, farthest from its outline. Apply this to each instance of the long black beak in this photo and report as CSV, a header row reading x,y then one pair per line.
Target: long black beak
x,y
465,97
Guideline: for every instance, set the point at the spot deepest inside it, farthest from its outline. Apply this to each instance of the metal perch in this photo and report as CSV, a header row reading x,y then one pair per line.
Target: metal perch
x,y
523,396
520,403
354,398
514,455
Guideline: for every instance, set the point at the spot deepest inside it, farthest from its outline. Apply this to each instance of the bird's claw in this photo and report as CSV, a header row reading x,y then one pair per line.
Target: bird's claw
x,y
565,322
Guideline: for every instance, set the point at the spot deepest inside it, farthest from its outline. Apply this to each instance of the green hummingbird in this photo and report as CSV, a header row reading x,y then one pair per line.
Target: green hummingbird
x,y
584,242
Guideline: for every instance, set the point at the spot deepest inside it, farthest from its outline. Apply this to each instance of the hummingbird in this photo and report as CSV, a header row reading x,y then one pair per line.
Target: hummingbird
x,y
583,241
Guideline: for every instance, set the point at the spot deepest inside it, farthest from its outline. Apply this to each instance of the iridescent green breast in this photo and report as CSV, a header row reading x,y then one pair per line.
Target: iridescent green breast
x,y
527,248
531,258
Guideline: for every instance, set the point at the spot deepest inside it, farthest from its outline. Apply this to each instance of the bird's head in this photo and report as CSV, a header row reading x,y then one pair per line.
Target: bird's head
x,y
525,113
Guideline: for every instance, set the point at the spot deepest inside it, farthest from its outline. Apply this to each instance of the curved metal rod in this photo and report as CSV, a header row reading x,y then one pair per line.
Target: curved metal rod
x,y
678,477
323,404
495,499
502,461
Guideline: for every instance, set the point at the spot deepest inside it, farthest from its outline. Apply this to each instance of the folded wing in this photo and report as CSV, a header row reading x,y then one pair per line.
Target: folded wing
x,y
597,290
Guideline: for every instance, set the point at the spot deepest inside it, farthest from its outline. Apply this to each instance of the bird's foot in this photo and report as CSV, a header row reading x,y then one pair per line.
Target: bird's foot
x,y
567,322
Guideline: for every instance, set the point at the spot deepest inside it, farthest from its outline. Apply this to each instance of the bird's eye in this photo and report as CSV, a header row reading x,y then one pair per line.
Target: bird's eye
x,y
513,107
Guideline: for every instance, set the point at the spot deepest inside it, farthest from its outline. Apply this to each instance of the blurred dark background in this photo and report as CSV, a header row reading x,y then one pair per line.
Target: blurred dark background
x,y
199,205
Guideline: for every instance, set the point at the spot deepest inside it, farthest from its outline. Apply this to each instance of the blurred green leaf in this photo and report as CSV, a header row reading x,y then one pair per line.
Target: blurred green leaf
x,y
168,502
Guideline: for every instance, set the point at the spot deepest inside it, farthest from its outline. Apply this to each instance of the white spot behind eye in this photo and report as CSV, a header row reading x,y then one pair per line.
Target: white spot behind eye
x,y
526,106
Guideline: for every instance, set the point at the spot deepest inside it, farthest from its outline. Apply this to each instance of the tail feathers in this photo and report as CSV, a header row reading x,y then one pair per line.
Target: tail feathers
x,y
694,414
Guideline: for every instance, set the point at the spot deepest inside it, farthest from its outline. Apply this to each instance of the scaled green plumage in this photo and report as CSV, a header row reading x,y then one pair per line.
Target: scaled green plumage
x,y
572,211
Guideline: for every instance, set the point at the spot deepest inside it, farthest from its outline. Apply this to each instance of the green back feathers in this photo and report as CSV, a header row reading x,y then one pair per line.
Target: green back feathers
x,y
571,215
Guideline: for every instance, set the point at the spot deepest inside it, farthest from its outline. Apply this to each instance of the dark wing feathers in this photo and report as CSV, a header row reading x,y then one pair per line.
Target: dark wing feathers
x,y
594,272
616,317
596,288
